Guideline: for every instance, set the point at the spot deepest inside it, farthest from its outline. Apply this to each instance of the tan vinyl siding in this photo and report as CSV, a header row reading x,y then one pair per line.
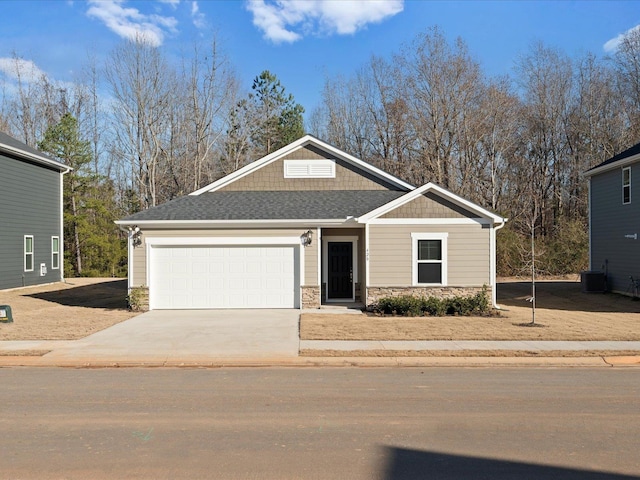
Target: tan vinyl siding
x,y
140,255
429,205
390,254
271,177
311,261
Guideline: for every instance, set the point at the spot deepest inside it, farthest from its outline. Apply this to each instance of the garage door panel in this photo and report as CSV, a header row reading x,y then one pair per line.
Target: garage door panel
x,y
223,277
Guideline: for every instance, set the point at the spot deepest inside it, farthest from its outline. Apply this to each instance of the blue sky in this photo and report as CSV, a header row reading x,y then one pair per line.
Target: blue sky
x,y
304,41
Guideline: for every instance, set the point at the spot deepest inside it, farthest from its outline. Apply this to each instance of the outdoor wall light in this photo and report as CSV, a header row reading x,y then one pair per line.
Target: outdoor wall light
x,y
136,236
307,237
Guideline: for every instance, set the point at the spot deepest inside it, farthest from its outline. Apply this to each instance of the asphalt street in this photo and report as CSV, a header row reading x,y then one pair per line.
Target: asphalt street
x,y
320,423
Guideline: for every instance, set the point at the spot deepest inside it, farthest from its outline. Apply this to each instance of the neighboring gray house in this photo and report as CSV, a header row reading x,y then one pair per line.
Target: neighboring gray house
x,y
30,216
307,225
614,219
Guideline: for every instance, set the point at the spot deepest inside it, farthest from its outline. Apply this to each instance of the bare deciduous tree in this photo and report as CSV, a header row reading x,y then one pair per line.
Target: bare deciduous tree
x,y
142,86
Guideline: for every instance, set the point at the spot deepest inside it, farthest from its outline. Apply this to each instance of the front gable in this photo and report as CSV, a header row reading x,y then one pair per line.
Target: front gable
x,y
431,202
429,205
309,168
307,164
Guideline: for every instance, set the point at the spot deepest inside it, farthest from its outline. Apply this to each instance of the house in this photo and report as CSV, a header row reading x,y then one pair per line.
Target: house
x,y
30,216
614,219
309,225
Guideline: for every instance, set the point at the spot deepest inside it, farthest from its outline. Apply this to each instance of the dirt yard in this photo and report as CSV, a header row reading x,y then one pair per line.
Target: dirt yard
x,y
65,311
82,306
563,312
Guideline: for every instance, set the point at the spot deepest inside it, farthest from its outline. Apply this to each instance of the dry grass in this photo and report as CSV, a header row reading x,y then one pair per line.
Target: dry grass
x,y
465,353
65,311
563,313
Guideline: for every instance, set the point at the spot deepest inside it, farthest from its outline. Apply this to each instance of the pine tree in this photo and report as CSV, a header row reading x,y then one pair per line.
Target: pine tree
x,y
278,118
92,243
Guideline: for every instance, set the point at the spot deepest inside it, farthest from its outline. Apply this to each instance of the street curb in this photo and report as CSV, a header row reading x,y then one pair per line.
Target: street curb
x,y
612,361
629,361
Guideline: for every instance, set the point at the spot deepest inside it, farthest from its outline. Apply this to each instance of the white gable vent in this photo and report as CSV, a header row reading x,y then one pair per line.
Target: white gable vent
x,y
309,169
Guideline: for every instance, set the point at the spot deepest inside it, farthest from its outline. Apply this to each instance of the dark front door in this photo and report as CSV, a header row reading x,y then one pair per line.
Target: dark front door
x,y
340,275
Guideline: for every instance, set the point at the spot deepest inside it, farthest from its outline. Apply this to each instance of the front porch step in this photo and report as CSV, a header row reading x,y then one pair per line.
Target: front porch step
x,y
342,306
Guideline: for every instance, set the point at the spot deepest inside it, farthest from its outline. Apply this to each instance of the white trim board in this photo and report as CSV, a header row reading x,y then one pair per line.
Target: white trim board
x,y
429,221
231,241
353,239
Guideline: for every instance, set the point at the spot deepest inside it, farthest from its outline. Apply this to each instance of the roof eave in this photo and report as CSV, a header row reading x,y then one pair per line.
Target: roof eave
x,y
274,223
623,162
40,159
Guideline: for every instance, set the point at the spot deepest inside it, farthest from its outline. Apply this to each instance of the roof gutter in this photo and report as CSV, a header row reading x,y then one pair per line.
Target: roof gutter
x,y
38,158
306,223
623,162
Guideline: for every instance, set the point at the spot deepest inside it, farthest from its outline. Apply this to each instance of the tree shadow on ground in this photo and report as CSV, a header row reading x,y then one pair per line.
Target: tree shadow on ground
x,y
564,295
109,294
406,464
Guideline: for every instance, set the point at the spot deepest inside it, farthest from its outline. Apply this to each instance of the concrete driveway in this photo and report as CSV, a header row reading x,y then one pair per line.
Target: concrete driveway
x,y
190,336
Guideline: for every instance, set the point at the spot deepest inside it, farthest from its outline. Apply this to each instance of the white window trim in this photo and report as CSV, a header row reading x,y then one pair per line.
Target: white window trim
x,y
54,253
626,169
308,165
414,257
25,253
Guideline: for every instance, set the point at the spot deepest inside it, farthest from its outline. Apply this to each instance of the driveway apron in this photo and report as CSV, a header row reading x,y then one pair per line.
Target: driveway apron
x,y
191,335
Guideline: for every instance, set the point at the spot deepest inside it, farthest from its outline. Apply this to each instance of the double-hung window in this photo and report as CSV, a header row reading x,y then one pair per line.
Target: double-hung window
x,y
429,258
626,185
28,253
55,253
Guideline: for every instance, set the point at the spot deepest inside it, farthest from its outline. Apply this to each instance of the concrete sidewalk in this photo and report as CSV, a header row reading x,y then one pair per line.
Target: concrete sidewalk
x,y
83,353
474,345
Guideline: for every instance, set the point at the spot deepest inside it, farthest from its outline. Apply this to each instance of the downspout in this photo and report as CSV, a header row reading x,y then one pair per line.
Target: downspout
x,y
61,242
589,217
367,278
494,230
129,233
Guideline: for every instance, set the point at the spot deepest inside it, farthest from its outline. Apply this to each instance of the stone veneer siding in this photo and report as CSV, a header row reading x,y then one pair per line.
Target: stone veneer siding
x,y
376,293
311,297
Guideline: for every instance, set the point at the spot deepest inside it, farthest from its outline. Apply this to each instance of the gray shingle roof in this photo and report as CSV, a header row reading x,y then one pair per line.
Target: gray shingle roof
x,y
29,152
265,205
621,156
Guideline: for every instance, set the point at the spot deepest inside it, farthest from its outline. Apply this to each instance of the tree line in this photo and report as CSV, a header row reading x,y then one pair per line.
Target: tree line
x,y
517,145
143,128
139,131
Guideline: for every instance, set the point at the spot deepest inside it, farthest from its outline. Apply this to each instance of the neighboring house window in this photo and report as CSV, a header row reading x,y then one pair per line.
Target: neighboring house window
x,y
626,185
429,258
28,253
55,253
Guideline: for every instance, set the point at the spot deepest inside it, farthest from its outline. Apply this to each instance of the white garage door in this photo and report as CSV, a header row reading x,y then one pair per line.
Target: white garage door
x,y
223,277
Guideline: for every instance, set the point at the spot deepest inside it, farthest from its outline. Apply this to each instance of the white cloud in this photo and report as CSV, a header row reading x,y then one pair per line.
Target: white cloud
x,y
130,23
18,68
197,16
173,3
289,20
613,44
